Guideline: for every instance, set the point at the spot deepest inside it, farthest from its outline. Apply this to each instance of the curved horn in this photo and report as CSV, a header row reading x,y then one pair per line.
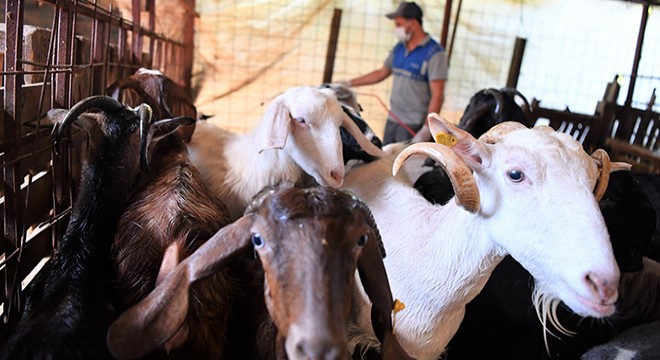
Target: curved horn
x,y
101,102
603,162
364,143
146,115
499,100
465,187
513,92
499,131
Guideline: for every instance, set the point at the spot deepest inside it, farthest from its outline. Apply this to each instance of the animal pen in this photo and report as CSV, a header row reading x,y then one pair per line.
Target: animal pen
x,y
86,46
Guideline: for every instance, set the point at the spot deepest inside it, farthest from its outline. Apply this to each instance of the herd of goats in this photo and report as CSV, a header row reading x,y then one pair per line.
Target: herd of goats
x,y
308,239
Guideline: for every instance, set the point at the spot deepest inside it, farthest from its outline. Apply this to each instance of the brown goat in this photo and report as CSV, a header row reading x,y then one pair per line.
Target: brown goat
x,y
310,242
167,98
174,208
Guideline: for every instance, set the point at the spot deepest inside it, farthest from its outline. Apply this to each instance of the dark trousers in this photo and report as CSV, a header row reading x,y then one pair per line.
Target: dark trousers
x,y
397,133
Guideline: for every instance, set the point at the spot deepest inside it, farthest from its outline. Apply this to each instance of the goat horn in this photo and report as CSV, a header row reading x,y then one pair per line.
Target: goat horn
x,y
499,100
499,131
465,187
364,143
513,92
604,166
146,115
101,102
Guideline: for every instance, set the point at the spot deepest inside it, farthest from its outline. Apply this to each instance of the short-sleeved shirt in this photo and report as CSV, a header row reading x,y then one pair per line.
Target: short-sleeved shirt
x,y
413,71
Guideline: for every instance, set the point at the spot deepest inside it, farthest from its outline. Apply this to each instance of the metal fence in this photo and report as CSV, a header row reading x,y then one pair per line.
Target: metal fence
x,y
56,53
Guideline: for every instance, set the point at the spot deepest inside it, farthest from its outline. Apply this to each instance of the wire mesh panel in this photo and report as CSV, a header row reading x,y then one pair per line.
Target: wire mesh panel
x,y
56,53
250,52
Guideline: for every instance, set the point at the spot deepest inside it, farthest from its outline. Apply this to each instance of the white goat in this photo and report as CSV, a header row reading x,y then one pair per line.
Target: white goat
x,y
301,125
530,196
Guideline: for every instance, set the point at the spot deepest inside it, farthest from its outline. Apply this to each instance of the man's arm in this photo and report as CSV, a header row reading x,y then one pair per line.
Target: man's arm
x,y
372,77
437,98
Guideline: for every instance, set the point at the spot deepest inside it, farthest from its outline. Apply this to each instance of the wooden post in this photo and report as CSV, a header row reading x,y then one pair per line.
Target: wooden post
x,y
453,32
332,46
638,53
516,62
445,24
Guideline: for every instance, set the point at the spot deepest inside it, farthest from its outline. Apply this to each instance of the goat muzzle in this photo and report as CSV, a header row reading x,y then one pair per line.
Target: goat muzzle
x,y
460,175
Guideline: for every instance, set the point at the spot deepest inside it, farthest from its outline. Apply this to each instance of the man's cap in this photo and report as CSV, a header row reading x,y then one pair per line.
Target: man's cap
x,y
408,10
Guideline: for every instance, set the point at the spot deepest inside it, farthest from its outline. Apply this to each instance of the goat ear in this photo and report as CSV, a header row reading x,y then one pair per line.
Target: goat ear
x,y
162,128
276,124
147,325
474,153
376,285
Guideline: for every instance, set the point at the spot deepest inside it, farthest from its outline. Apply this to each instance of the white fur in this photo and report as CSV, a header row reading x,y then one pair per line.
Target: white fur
x,y
236,167
439,257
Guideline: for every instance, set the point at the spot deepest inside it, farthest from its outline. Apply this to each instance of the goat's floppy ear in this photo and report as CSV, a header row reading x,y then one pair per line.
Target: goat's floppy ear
x,y
147,325
473,152
376,285
276,123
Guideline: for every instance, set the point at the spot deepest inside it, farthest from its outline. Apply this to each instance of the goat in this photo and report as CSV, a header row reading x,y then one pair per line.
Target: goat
x,y
490,107
173,207
500,322
167,98
441,256
309,242
66,312
350,147
298,134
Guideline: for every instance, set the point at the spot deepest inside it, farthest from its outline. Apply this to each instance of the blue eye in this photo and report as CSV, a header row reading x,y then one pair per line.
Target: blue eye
x,y
257,241
516,175
363,240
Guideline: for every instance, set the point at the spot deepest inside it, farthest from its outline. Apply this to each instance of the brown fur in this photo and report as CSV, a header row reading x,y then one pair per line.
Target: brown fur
x,y
174,207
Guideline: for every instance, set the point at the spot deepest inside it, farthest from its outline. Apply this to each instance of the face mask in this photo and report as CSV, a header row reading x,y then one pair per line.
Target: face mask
x,y
400,33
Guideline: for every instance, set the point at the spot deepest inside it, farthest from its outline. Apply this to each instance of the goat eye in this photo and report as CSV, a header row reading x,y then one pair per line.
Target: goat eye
x,y
363,240
516,175
257,241
300,120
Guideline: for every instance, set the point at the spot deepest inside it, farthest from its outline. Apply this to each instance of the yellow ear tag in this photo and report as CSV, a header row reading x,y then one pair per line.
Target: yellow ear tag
x,y
445,139
398,306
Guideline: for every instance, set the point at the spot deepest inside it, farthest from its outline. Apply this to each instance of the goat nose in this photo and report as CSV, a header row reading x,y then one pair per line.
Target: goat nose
x,y
337,177
319,350
606,289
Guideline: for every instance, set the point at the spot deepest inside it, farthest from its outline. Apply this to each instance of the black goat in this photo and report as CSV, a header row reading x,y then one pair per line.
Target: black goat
x,y
67,309
501,322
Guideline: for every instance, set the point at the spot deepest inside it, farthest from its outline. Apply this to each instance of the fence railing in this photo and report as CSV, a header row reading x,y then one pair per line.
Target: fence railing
x,y
54,68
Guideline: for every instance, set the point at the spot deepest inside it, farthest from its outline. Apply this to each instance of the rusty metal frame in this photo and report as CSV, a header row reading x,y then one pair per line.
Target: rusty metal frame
x,y
26,151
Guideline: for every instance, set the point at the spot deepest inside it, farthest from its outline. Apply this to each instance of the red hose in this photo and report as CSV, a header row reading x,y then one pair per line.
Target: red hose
x,y
396,118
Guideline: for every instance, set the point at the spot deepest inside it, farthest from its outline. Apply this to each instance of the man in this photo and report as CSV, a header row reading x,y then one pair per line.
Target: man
x,y
419,66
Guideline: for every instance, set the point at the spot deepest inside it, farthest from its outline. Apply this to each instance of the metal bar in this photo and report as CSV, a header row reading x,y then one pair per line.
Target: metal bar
x,y
638,53
136,43
516,62
332,46
453,32
151,7
445,24
188,45
98,56
14,14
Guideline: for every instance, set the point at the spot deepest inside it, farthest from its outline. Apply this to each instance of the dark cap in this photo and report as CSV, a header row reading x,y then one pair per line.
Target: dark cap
x,y
408,10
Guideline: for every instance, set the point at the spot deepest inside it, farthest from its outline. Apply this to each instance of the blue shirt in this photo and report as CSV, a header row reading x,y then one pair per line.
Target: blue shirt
x,y
413,71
